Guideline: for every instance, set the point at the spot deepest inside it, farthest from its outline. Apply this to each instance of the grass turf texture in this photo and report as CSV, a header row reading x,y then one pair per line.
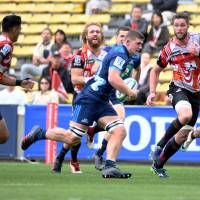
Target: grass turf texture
x,y
22,181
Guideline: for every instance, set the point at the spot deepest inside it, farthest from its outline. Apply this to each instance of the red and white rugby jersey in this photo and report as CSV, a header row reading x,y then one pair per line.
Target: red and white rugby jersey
x,y
185,66
84,59
6,49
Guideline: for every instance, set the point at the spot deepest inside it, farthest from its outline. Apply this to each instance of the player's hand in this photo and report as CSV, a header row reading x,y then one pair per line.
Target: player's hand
x,y
27,83
150,98
133,94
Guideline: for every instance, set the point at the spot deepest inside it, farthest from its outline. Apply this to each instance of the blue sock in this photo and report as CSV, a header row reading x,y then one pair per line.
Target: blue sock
x,y
101,150
110,163
41,135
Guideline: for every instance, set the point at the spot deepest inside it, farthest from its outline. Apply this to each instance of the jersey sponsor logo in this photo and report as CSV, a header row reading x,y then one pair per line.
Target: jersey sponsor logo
x,y
119,62
6,49
90,61
77,60
84,120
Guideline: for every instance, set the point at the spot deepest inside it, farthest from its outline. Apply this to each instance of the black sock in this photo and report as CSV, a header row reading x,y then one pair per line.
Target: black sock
x,y
74,152
170,149
174,127
60,157
102,149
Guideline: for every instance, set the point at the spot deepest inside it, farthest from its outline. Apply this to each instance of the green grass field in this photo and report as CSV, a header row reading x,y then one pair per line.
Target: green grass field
x,y
23,181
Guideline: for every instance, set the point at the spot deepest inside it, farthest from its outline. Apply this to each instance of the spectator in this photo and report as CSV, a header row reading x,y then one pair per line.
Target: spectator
x,y
64,75
40,56
137,22
60,39
12,95
158,35
166,7
97,6
66,55
44,95
143,84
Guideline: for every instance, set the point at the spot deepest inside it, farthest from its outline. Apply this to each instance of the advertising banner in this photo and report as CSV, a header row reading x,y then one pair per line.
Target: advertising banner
x,y
9,113
145,126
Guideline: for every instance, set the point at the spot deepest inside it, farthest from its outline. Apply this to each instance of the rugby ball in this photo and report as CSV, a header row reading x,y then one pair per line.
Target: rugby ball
x,y
131,83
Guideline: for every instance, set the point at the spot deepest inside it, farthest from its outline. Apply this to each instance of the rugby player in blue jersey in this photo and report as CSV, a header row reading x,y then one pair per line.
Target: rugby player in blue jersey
x,y
132,70
92,104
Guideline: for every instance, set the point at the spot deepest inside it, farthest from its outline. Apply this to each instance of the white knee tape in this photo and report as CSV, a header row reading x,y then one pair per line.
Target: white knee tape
x,y
77,131
182,103
112,125
188,127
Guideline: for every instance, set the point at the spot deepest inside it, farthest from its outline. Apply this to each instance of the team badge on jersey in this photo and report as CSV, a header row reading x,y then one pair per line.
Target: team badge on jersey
x,y
119,62
77,60
190,66
6,50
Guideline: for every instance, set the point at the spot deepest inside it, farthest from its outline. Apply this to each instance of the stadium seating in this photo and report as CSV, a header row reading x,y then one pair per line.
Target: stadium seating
x,y
121,8
38,18
55,27
23,51
69,16
74,29
165,76
33,28
59,18
191,8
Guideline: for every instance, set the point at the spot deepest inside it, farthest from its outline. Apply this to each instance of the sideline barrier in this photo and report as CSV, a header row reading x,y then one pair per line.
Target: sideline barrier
x,y
145,126
9,113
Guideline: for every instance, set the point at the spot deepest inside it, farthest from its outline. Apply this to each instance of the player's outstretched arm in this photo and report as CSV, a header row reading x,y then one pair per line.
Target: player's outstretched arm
x,y
6,79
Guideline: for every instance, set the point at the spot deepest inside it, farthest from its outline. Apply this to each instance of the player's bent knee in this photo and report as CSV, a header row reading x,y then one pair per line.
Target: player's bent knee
x,y
113,125
184,110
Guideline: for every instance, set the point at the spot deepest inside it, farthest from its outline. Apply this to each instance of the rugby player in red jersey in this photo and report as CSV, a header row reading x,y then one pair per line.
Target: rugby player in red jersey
x,y
11,27
82,63
183,54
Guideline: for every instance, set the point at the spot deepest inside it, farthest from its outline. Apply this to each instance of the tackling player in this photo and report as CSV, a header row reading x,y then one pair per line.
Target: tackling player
x,y
82,63
11,27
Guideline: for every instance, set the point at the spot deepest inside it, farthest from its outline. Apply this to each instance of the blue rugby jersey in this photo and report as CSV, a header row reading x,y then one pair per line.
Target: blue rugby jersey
x,y
98,88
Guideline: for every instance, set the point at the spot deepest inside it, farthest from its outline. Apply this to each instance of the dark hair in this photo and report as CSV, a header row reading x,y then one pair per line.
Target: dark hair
x,y
85,31
10,21
62,33
136,6
182,15
123,28
133,34
159,14
47,78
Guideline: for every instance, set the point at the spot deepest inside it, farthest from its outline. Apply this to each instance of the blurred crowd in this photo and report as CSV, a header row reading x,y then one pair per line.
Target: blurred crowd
x,y
54,53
